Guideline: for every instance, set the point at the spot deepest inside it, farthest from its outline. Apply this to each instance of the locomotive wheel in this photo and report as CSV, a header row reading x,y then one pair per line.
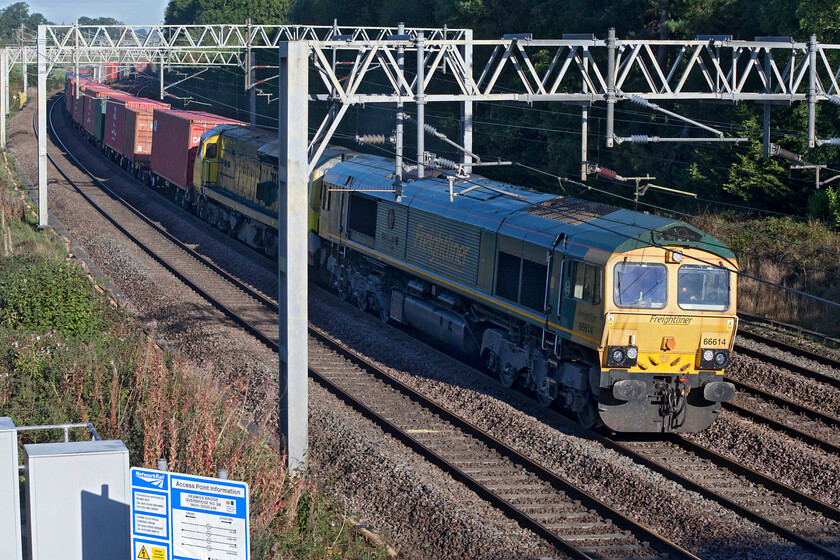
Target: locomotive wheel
x,y
343,292
588,416
361,301
384,315
508,377
544,400
491,362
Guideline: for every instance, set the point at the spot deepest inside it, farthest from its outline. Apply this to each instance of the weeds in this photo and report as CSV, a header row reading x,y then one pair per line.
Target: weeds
x,y
784,252
66,355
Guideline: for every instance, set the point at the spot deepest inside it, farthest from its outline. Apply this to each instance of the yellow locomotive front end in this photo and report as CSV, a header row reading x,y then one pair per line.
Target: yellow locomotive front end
x,y
670,325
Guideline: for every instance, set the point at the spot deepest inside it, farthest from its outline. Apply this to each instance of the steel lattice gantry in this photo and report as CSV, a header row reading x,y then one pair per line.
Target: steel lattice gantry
x,y
395,65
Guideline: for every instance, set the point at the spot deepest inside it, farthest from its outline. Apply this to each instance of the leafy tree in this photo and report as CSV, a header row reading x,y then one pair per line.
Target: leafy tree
x,y
227,11
14,16
99,21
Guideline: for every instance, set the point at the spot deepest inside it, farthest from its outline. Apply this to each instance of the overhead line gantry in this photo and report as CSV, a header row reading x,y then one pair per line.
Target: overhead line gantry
x,y
364,65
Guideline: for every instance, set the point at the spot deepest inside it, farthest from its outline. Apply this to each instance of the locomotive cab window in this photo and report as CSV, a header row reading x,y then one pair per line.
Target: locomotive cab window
x,y
587,283
640,285
703,288
361,216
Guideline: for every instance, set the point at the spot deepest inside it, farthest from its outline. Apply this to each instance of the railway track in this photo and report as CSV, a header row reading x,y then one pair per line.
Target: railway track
x,y
791,514
807,371
563,514
779,411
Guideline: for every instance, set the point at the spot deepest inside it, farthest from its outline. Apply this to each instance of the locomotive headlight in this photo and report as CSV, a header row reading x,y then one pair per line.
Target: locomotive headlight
x,y
714,359
622,356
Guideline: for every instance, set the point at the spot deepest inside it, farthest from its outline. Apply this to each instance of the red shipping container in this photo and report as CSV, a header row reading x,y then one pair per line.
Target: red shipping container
x,y
92,93
175,139
110,72
70,84
78,108
128,126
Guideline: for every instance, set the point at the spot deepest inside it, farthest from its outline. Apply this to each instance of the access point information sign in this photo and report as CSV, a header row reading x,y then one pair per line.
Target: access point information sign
x,y
182,517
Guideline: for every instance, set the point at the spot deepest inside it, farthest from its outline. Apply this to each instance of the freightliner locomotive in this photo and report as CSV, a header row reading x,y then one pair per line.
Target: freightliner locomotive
x,y
624,318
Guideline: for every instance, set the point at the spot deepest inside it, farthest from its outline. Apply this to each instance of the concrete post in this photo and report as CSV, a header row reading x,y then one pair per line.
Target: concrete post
x,y
812,90
76,59
6,81
611,48
398,133
43,214
250,78
4,95
25,71
161,76
421,103
467,106
292,258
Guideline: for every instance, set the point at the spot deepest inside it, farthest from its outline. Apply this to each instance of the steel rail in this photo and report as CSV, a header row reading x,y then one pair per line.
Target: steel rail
x,y
753,476
522,517
642,533
782,427
799,369
795,407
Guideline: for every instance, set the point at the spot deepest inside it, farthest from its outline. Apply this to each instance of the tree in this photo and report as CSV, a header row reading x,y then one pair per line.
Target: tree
x,y
13,17
206,12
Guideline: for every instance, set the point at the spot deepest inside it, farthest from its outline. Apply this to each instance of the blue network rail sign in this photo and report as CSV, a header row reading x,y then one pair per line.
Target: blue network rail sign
x,y
183,517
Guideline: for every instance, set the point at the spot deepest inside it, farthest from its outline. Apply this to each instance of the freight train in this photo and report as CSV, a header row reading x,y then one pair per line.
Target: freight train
x,y
624,318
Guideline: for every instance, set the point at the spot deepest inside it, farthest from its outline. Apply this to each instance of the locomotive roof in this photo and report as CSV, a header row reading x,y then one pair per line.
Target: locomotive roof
x,y
521,213
267,142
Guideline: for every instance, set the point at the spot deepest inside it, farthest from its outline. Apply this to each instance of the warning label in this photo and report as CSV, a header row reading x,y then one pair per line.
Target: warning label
x,y
156,553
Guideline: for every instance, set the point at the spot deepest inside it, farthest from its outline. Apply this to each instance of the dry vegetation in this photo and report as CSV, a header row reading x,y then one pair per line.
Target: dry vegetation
x,y
68,355
802,256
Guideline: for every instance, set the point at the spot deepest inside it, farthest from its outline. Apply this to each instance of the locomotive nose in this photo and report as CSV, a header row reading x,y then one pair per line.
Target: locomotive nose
x,y
718,391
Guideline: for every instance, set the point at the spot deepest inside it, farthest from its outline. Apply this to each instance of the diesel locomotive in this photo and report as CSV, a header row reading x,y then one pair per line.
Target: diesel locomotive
x,y
624,318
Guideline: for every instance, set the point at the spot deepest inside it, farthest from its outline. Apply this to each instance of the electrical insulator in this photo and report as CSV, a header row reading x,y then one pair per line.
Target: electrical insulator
x,y
787,154
833,141
444,163
375,139
432,130
834,99
607,173
639,139
639,100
